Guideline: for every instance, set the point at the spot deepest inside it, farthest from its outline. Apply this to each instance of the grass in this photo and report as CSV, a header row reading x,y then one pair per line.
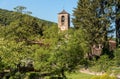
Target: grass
x,y
78,75
75,75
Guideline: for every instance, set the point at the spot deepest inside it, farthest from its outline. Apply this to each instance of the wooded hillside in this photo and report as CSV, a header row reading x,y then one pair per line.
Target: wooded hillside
x,y
6,17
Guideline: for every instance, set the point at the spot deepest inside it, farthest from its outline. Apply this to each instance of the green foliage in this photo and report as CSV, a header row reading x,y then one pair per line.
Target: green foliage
x,y
22,31
50,32
105,76
41,60
117,57
12,53
78,75
26,28
18,75
55,53
29,42
33,75
92,17
103,64
6,17
65,53
20,9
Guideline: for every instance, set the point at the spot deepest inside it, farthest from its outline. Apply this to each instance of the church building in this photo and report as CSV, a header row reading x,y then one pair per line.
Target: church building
x,y
63,20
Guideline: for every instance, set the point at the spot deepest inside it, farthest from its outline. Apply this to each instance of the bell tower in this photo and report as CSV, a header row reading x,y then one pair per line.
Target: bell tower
x,y
63,20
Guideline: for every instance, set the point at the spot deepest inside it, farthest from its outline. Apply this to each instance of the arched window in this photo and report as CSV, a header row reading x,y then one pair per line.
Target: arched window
x,y
63,19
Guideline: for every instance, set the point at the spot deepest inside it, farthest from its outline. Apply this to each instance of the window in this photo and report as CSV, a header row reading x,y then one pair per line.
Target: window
x,y
63,19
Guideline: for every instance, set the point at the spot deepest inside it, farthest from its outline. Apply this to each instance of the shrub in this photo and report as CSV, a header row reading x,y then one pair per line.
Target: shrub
x,y
117,57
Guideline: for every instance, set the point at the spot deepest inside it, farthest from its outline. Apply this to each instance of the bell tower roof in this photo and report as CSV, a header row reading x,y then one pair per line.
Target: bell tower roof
x,y
63,12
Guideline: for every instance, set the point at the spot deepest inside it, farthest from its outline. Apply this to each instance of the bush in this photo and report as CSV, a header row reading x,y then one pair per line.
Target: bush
x,y
34,76
117,57
102,64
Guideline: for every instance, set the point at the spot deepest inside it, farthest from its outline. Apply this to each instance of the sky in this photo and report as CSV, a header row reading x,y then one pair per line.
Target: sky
x,y
43,9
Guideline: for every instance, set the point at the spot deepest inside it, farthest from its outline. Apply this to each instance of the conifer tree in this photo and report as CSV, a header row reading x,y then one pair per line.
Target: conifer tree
x,y
90,16
117,20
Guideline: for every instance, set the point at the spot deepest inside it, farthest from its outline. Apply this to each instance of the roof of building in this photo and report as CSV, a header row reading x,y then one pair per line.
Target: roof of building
x,y
63,12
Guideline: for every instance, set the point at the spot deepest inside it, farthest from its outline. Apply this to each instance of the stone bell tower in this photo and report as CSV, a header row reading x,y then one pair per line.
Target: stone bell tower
x,y
63,20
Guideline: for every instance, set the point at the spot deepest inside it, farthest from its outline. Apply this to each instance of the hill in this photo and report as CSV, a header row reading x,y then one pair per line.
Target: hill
x,y
19,26
6,17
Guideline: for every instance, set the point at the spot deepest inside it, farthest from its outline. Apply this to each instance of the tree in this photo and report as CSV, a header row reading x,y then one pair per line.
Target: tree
x,y
90,17
54,54
20,9
22,29
64,53
11,55
117,20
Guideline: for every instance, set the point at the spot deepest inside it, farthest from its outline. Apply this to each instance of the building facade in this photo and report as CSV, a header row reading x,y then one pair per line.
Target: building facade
x,y
63,20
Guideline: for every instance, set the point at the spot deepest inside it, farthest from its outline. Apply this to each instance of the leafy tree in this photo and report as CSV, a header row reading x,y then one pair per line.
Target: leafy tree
x,y
10,55
53,54
23,30
21,9
64,53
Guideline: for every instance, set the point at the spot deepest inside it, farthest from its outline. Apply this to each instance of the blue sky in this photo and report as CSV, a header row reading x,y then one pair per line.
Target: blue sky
x,y
44,9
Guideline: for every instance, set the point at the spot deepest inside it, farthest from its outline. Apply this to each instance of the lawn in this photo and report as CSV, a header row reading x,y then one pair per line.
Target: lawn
x,y
78,75
75,75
